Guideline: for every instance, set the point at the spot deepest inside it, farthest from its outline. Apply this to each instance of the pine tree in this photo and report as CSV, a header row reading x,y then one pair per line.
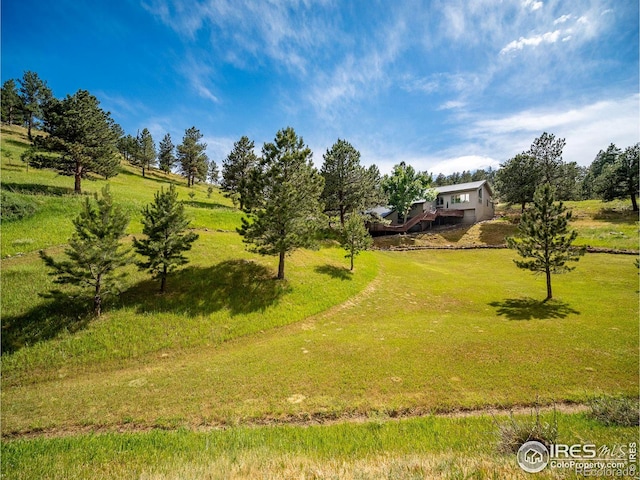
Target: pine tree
x,y
348,185
194,163
166,156
165,225
544,239
145,153
354,236
11,103
237,171
84,136
214,173
517,179
547,152
95,252
286,209
620,178
34,94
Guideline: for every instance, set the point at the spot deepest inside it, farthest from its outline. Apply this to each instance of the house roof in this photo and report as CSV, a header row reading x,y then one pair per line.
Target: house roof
x,y
461,187
382,211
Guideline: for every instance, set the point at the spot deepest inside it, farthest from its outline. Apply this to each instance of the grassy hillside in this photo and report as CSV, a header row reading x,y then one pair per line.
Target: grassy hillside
x,y
407,333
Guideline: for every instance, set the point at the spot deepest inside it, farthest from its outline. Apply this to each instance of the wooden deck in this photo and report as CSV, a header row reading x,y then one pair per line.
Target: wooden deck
x,y
427,216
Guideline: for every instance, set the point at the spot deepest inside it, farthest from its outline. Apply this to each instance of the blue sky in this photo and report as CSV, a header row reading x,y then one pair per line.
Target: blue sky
x,y
444,85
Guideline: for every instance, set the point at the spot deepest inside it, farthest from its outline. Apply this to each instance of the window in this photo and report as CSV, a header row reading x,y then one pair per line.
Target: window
x,y
439,201
461,198
480,196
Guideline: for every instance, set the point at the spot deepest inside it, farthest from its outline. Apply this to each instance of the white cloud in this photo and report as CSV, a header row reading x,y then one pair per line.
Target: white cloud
x,y
562,19
549,37
452,105
448,166
586,128
532,4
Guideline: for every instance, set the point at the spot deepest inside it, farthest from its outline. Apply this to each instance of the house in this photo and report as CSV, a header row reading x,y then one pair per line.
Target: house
x,y
465,203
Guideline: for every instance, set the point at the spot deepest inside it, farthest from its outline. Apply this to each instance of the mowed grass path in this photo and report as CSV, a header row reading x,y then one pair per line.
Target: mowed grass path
x,y
435,331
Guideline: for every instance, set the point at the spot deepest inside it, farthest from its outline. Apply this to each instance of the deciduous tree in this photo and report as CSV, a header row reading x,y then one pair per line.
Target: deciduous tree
x,y
286,212
166,227
404,186
544,239
95,252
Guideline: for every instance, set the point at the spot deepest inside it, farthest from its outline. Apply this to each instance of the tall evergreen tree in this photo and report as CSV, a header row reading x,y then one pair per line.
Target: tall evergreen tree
x,y
517,179
84,136
95,252
620,179
348,186
145,152
165,225
544,239
354,236
214,173
547,152
34,94
238,171
194,163
287,211
404,186
11,103
127,146
166,155
603,158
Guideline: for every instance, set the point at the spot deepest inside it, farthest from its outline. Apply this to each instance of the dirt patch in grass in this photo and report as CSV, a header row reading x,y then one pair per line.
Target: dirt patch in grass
x,y
302,420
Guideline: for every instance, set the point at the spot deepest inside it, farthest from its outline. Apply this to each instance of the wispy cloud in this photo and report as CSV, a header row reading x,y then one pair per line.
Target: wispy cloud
x,y
534,41
532,5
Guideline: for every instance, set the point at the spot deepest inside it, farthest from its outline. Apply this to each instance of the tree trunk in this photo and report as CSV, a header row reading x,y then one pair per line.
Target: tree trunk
x,y
523,205
163,279
549,294
97,299
29,122
634,201
342,216
281,266
351,261
78,178
142,172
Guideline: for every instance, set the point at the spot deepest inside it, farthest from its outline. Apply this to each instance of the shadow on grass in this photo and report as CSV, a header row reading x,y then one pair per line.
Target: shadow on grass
x,y
212,205
237,285
340,273
44,322
14,142
617,216
36,189
496,233
455,234
531,309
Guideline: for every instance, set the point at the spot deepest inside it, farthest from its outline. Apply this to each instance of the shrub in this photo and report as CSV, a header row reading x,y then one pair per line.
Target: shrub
x,y
15,207
611,410
513,433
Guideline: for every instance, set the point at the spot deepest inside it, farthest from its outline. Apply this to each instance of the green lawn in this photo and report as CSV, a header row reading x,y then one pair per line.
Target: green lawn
x,y
407,333
429,447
